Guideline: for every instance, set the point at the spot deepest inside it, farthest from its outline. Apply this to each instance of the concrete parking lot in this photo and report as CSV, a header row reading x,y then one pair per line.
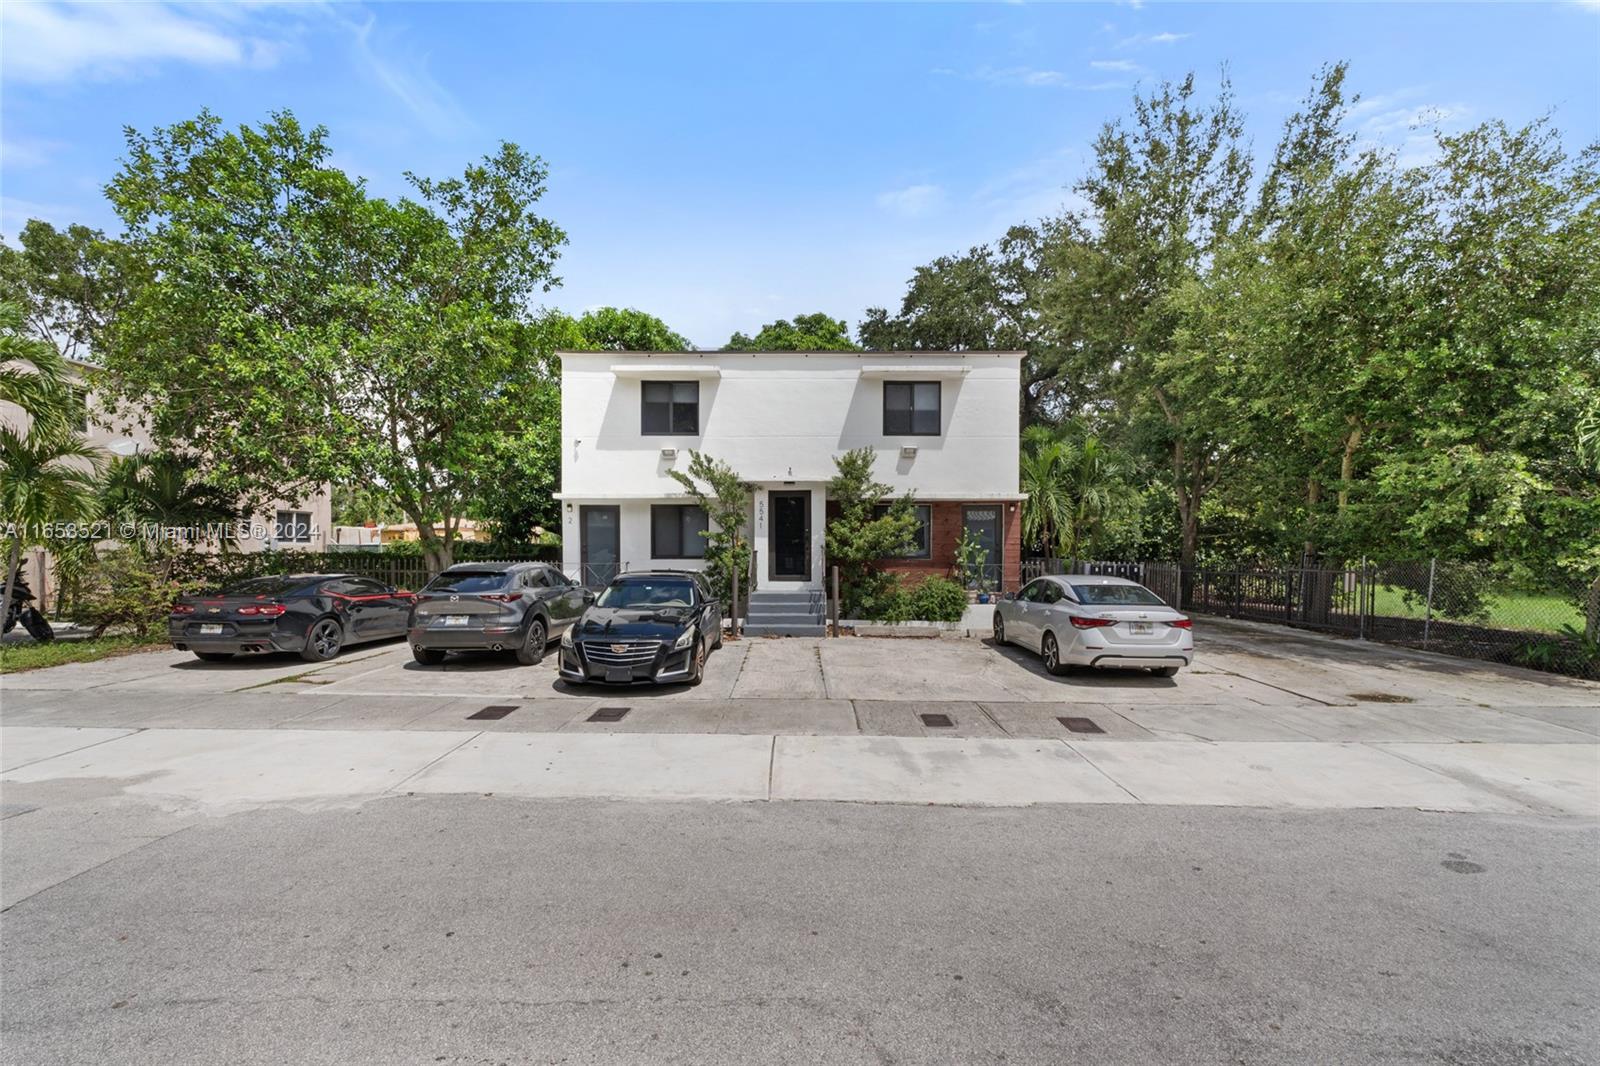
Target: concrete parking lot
x,y
375,861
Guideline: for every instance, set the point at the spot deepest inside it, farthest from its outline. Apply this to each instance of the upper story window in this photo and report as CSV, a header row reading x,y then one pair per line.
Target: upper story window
x,y
293,527
671,408
911,408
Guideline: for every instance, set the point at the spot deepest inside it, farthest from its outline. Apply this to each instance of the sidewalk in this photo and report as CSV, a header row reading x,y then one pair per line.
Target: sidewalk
x,y
226,770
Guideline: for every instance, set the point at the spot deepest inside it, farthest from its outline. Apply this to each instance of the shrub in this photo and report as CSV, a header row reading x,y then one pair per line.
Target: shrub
x,y
126,589
938,599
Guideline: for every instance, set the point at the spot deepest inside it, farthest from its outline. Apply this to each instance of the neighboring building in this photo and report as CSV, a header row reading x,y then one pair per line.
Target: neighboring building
x,y
402,532
302,525
944,425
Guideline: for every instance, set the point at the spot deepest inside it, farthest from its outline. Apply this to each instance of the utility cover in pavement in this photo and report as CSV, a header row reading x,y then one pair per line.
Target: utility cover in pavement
x,y
1080,725
939,721
608,714
492,713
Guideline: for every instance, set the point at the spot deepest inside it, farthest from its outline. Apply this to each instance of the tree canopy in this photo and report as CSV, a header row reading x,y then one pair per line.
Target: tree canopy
x,y
807,333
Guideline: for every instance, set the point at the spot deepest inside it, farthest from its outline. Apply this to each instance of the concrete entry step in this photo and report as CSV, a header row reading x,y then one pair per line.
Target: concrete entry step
x,y
759,597
779,618
754,630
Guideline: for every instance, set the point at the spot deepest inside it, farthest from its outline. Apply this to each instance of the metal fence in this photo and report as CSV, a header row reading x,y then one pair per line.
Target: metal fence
x,y
1465,609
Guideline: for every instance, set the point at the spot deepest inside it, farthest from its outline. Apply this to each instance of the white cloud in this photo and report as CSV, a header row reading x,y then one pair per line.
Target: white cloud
x,y
913,201
407,79
52,42
1123,65
1140,39
1030,78
26,153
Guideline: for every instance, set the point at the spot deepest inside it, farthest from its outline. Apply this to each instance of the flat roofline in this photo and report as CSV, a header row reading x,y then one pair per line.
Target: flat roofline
x,y
928,353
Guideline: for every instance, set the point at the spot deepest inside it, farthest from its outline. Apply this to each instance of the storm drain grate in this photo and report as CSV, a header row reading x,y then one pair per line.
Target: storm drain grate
x,y
1080,725
492,713
937,721
609,714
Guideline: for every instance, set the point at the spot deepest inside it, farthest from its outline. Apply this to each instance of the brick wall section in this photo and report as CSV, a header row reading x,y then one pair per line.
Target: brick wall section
x,y
947,532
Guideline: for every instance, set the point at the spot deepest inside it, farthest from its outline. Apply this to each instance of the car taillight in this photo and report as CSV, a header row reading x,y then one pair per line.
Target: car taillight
x,y
1091,623
1181,623
183,608
501,597
265,610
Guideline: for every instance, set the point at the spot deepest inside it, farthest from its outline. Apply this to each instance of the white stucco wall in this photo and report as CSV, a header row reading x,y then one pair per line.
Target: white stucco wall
x,y
778,416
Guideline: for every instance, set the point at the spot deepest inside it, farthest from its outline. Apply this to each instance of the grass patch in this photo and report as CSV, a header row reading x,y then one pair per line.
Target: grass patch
x,y
1532,611
15,658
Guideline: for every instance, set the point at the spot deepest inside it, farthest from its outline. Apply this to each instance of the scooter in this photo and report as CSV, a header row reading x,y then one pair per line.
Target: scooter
x,y
21,609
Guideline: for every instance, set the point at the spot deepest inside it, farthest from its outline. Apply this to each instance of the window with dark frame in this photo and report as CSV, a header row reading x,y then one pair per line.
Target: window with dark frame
x,y
675,531
293,527
923,546
911,408
670,408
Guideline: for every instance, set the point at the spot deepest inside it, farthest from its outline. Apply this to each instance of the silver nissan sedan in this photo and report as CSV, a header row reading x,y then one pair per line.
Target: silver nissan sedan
x,y
1074,621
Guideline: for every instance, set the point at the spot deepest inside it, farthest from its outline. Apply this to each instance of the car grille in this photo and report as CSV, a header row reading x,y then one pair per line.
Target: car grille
x,y
632,653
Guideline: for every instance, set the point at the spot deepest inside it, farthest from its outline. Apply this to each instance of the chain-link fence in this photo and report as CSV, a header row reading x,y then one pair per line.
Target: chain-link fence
x,y
1466,609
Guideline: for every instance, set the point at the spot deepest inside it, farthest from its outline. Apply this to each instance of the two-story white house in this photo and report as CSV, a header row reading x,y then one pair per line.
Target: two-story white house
x,y
944,425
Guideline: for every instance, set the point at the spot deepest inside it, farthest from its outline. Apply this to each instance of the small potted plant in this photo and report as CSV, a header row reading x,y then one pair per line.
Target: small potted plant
x,y
971,556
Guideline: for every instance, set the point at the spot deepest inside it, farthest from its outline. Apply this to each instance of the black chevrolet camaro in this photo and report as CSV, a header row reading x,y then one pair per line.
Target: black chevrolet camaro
x,y
655,626
315,615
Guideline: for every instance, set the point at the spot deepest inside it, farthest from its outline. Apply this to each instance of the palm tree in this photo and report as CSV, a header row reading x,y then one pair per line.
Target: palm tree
x,y
33,375
1071,483
1048,508
47,475
164,490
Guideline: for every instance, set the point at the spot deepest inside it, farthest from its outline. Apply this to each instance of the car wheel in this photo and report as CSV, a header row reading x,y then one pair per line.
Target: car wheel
x,y
1051,653
532,650
213,656
1165,671
427,656
324,641
999,630
699,674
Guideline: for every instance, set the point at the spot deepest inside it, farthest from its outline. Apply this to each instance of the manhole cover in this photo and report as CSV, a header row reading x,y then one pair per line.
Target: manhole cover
x,y
609,714
1080,725
492,713
937,721
1379,697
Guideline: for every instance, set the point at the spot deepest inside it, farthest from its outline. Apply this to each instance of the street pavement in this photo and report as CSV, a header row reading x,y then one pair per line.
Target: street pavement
x,y
1303,850
473,929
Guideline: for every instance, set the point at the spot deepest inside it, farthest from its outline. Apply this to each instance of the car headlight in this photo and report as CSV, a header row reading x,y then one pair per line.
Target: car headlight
x,y
685,640
566,636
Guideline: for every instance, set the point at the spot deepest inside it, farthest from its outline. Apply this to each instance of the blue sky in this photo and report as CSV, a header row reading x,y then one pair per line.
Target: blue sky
x,y
724,165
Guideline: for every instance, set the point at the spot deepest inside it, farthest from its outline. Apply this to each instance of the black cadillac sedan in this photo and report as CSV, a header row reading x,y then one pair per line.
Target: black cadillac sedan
x,y
649,626
315,615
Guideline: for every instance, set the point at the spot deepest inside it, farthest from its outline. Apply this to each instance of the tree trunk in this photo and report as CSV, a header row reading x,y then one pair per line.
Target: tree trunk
x,y
1347,464
1313,497
11,572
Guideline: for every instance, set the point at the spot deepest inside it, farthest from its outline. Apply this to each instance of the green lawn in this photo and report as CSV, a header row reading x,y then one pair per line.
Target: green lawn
x,y
15,658
1536,612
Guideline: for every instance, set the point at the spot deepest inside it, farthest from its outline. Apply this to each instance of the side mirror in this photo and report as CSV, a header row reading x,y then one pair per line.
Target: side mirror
x,y
588,596
1008,595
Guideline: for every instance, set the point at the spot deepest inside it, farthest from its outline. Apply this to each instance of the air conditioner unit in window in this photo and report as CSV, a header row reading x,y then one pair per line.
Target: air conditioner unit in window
x,y
669,454
908,452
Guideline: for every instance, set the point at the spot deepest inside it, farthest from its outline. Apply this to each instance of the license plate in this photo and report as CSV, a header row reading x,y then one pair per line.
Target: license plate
x,y
1140,627
210,630
619,673
453,620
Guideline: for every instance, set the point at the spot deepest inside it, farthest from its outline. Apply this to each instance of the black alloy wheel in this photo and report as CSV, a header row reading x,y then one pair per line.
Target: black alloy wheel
x,y
532,650
324,641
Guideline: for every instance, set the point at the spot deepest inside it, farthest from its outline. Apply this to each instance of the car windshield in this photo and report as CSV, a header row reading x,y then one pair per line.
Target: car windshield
x,y
1117,596
643,595
274,585
467,581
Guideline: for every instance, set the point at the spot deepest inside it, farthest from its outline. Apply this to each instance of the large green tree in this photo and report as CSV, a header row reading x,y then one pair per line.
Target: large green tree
x,y
298,330
807,333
